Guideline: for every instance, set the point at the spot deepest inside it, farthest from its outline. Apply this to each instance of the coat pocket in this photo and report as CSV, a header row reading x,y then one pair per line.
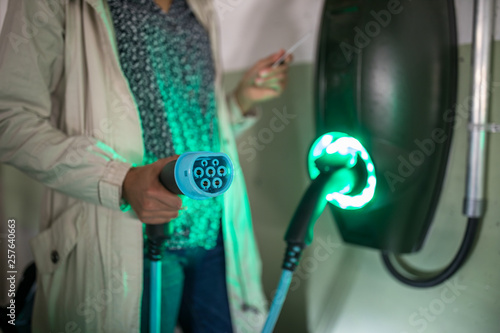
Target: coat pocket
x,y
52,246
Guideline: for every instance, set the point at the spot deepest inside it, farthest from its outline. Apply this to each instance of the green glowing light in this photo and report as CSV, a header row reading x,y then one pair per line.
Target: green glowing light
x,y
345,189
344,145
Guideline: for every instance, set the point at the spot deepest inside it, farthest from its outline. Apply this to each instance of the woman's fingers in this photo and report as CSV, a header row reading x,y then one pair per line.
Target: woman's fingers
x,y
149,216
263,81
270,72
147,196
156,220
270,80
271,59
167,200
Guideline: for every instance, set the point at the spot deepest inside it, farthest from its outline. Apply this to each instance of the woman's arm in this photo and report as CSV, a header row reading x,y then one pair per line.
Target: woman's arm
x,y
31,74
260,83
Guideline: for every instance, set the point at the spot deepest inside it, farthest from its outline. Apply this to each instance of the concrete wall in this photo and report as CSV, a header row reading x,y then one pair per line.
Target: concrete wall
x,y
252,29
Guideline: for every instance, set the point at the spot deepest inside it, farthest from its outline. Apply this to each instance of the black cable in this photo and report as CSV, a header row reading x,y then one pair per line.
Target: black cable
x,y
460,258
472,224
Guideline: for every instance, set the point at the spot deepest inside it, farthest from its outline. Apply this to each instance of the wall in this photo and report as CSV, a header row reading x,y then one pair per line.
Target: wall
x,y
265,26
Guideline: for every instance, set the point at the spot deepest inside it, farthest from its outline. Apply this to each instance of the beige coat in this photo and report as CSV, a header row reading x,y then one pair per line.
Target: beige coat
x,y
68,119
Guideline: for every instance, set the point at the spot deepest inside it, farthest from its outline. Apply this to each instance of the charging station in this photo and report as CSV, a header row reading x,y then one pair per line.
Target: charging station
x,y
385,95
393,87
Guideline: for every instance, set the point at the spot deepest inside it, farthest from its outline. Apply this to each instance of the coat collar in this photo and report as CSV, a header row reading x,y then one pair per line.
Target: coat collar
x,y
199,8
98,5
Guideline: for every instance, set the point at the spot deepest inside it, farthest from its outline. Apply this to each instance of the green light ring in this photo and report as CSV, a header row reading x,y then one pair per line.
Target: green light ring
x,y
344,201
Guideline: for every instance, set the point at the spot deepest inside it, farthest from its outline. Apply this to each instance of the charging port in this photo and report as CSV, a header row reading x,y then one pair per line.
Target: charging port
x,y
221,171
198,172
217,183
210,171
205,184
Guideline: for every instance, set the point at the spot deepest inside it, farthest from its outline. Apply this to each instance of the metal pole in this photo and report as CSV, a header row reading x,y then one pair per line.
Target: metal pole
x,y
484,17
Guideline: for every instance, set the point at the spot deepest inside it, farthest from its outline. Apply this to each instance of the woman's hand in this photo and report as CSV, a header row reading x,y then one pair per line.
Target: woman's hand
x,y
149,199
262,82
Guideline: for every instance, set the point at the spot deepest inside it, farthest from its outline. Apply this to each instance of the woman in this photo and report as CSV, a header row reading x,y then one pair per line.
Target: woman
x,y
75,116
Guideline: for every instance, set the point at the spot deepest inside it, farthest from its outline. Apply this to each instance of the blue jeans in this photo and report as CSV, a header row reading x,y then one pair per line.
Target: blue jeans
x,y
194,293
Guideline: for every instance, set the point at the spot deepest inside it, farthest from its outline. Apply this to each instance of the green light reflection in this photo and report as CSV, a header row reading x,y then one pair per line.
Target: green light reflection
x,y
343,144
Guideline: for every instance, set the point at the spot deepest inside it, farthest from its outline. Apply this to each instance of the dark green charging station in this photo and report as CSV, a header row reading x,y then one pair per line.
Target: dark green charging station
x,y
386,75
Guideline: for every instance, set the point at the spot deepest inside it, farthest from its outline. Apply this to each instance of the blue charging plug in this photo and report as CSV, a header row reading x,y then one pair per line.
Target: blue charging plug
x,y
198,175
